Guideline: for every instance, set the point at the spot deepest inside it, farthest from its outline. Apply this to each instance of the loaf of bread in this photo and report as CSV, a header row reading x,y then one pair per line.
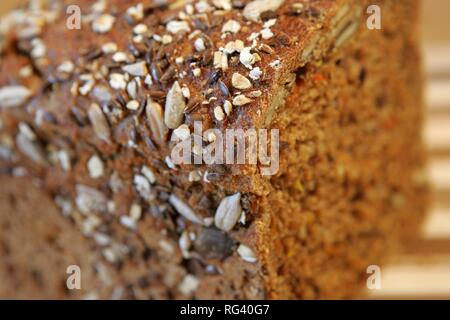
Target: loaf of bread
x,y
115,118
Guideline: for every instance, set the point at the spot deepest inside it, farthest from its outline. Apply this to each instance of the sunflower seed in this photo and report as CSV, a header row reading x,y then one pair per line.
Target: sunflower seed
x,y
253,10
120,57
189,284
255,94
197,72
227,107
64,160
241,100
103,23
99,122
222,4
31,149
13,96
255,74
234,46
231,26
138,69
185,243
181,133
246,254
90,200
173,114
184,209
247,58
140,29
117,81
143,187
199,44
95,167
66,67
195,175
115,182
128,222
166,39
266,48
133,105
25,129
220,60
240,82
136,12
148,173
109,47
266,33
186,92
296,8
155,120
178,27
228,212
218,113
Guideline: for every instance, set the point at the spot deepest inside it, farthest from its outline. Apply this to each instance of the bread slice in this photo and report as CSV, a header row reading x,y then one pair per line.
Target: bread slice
x,y
115,120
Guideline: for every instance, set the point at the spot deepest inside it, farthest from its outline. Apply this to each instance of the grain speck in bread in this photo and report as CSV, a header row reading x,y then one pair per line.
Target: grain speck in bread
x,y
99,111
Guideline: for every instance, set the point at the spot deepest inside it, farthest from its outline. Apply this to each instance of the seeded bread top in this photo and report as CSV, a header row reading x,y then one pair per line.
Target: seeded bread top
x,y
225,63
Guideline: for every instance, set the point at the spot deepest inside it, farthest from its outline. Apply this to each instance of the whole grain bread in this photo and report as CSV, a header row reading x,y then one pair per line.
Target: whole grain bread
x,y
92,115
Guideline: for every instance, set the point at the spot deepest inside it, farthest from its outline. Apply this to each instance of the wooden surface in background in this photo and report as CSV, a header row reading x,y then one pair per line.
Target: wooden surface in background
x,y
424,270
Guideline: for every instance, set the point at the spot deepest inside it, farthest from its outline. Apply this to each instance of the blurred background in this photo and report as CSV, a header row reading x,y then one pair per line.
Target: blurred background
x,y
422,271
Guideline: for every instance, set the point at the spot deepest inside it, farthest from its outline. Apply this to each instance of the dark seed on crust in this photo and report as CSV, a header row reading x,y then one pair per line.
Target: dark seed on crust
x,y
215,76
161,54
217,20
266,49
212,243
214,176
144,133
238,4
283,40
168,75
209,43
93,54
296,8
267,15
134,50
192,106
142,105
125,131
157,94
223,88
48,117
113,66
121,100
168,18
163,64
312,12
156,72
199,24
80,117
148,57
156,5
208,57
193,58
